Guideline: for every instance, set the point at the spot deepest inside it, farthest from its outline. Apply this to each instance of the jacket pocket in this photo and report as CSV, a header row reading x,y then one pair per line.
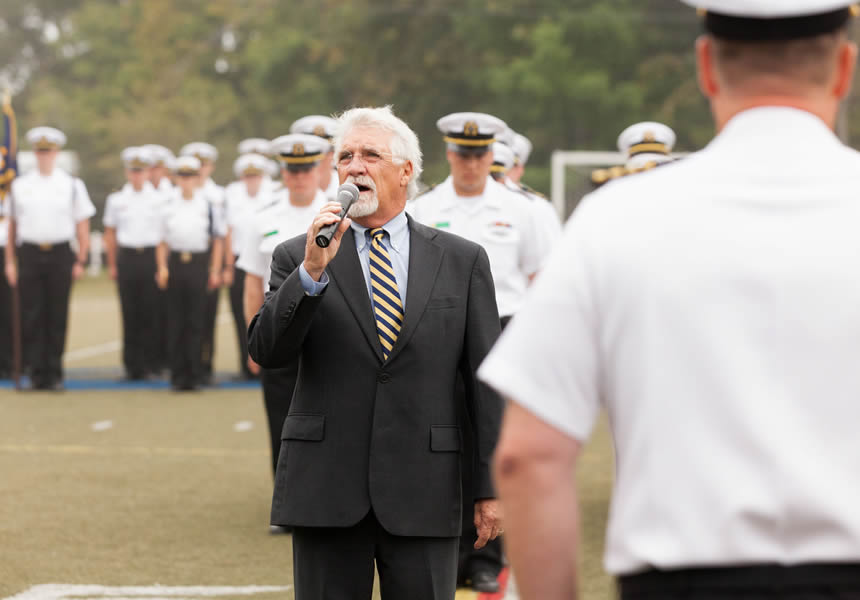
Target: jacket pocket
x,y
444,438
443,302
310,428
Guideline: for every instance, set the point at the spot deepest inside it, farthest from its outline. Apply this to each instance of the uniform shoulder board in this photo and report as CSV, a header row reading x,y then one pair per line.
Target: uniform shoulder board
x,y
427,191
532,191
602,176
268,205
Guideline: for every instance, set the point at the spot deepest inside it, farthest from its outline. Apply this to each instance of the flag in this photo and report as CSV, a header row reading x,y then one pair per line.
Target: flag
x,y
9,149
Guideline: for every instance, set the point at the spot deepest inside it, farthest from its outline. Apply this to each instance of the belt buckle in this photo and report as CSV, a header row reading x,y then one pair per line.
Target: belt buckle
x,y
45,247
185,257
139,250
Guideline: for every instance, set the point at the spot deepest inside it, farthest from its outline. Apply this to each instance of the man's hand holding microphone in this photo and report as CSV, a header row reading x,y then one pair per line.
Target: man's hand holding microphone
x,y
326,231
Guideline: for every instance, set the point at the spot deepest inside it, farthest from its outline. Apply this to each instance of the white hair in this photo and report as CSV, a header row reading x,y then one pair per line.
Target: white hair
x,y
404,143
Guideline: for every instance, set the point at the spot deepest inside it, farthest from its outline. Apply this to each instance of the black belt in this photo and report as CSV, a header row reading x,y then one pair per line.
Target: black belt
x,y
188,257
746,577
45,247
136,249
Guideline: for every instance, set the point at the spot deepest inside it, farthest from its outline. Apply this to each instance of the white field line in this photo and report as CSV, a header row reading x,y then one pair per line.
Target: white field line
x,y
116,345
56,591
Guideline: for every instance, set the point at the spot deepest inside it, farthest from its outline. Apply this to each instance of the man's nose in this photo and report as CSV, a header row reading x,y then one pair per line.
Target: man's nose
x,y
356,167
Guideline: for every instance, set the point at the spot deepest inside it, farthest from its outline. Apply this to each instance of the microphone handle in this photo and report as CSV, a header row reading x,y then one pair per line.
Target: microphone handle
x,y
325,234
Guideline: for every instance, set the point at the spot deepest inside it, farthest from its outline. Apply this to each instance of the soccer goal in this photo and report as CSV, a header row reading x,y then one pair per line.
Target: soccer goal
x,y
571,175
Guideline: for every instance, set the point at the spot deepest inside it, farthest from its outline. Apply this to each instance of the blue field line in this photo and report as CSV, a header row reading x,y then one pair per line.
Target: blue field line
x,y
77,385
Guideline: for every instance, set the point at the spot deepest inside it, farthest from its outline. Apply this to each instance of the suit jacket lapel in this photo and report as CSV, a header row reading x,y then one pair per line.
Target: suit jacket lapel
x,y
346,270
424,260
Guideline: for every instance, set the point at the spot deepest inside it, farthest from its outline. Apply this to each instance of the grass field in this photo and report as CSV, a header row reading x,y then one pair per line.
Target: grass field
x,y
137,488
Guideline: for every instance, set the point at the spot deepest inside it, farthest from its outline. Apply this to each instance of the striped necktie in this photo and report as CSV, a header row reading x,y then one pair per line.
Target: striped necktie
x,y
387,306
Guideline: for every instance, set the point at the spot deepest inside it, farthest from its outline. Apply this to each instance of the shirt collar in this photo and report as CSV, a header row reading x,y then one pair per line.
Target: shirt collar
x,y
397,228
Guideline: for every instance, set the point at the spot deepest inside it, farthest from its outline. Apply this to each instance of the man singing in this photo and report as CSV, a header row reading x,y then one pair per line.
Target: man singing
x,y
382,321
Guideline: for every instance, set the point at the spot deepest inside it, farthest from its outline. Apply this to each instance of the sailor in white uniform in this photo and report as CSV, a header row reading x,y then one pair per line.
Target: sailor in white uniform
x,y
646,144
322,126
189,266
159,174
548,223
207,154
710,306
50,209
287,216
244,199
132,222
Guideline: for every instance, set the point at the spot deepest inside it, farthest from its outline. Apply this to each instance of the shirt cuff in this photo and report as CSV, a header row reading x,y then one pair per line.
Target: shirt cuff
x,y
313,288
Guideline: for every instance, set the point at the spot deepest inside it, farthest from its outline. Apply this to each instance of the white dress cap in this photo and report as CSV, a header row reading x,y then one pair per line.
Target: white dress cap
x,y
770,9
296,149
137,157
503,158
202,150
251,164
522,148
46,138
506,137
471,129
254,146
161,156
318,125
647,137
186,164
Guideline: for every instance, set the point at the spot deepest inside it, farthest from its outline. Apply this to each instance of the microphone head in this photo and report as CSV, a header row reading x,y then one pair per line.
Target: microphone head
x,y
347,193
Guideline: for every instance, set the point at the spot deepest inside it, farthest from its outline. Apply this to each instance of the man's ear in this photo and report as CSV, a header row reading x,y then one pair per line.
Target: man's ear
x,y
846,62
406,174
705,66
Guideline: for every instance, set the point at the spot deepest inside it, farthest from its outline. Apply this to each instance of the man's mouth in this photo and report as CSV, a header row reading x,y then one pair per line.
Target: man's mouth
x,y
362,188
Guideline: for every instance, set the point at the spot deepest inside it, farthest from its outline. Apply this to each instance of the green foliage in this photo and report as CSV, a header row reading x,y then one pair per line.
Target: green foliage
x,y
568,74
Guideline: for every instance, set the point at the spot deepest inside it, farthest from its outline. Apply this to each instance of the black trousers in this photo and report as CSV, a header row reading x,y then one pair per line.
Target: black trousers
x,y
186,314
237,307
336,563
138,295
45,280
491,557
5,328
278,386
160,335
771,582
210,313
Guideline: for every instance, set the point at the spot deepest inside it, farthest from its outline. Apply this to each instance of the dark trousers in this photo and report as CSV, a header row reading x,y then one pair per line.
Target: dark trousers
x,y
5,328
210,313
45,280
771,582
336,563
160,334
186,314
237,307
138,295
491,557
278,386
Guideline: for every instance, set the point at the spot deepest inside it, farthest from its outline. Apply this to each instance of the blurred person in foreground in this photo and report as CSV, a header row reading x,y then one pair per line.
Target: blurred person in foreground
x,y
382,321
49,209
132,222
289,215
710,306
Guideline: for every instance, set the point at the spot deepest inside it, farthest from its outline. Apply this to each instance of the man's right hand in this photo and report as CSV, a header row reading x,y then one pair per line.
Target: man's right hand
x,y
161,278
253,367
12,274
316,258
112,272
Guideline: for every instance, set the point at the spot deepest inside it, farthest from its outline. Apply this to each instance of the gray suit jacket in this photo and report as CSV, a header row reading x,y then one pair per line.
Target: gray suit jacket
x,y
363,433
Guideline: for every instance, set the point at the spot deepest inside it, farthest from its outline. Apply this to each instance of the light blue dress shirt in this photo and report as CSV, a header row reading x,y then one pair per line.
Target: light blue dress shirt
x,y
396,242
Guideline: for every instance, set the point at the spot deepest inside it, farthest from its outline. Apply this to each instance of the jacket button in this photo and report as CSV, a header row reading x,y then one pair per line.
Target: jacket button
x,y
384,378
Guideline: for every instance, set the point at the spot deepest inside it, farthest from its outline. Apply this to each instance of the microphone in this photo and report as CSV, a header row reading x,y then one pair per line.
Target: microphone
x,y
347,194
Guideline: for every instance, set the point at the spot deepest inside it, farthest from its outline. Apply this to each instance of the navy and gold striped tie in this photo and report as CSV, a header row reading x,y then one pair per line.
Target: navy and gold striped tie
x,y
387,306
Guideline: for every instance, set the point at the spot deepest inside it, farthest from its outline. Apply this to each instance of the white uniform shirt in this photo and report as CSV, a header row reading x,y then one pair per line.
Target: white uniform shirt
x,y
4,220
136,216
241,208
47,209
499,220
165,186
276,223
548,223
331,190
712,305
186,223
